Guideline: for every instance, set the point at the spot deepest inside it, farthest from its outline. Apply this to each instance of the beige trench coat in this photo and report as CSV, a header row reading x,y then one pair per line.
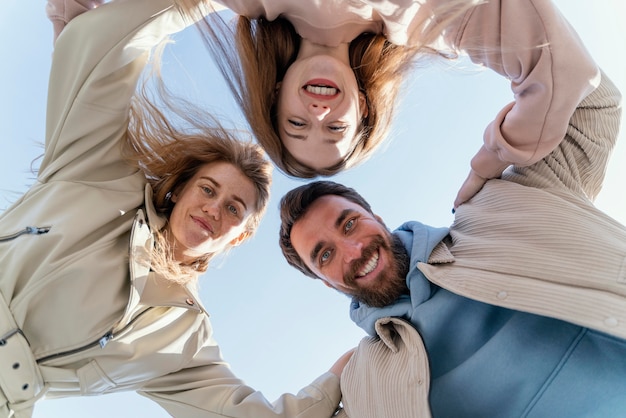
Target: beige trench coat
x,y
95,321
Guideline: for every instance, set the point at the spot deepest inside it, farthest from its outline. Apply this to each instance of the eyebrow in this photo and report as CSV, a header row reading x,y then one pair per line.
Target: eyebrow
x,y
318,247
219,186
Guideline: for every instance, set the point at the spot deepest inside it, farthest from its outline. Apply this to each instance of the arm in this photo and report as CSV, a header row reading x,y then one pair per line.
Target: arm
x,y
95,69
579,162
208,388
532,44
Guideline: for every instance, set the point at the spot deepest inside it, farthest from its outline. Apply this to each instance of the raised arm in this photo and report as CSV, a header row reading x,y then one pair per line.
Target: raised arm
x,y
530,43
97,62
579,162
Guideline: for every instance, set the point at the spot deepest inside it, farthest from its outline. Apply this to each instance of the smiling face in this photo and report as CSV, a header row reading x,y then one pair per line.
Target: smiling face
x,y
211,211
351,250
319,110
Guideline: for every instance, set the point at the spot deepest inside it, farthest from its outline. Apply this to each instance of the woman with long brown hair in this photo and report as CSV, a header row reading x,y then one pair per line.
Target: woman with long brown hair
x,y
319,81
101,256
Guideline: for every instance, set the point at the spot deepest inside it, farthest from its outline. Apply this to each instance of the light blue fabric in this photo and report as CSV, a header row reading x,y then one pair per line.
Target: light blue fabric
x,y
487,361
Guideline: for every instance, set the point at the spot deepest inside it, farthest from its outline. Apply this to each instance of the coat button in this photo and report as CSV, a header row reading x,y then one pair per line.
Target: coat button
x,y
502,295
611,322
190,302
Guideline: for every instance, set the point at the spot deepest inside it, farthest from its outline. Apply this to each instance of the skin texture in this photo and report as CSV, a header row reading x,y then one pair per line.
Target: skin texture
x,y
318,128
351,250
211,211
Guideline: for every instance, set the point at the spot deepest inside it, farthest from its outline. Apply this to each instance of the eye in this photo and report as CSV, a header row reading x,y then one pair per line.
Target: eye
x,y
324,256
338,128
233,210
207,190
296,123
349,225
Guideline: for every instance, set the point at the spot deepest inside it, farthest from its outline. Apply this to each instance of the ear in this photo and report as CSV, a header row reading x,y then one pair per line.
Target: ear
x,y
365,110
241,238
378,218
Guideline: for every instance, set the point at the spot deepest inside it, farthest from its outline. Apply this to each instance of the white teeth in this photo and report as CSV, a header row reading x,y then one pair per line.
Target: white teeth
x,y
371,265
322,90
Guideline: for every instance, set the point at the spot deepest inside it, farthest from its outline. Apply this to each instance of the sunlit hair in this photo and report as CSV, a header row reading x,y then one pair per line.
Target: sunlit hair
x,y
295,204
254,54
169,156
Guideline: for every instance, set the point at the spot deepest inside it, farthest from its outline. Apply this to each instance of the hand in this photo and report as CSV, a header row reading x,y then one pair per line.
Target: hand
x,y
339,365
472,185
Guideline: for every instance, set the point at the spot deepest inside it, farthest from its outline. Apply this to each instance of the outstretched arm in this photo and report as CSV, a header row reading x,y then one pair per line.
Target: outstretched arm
x,y
531,44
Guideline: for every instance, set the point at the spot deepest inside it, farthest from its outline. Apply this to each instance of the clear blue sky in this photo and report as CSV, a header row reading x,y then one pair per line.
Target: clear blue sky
x,y
278,329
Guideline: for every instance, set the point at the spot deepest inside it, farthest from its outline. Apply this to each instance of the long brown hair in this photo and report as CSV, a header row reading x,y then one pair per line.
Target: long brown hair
x,y
254,54
170,155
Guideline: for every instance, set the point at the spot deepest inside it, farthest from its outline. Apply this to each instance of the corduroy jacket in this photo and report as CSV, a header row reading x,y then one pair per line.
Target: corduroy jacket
x,y
530,242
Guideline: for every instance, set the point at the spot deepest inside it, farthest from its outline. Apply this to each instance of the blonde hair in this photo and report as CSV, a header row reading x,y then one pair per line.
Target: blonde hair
x,y
170,156
254,54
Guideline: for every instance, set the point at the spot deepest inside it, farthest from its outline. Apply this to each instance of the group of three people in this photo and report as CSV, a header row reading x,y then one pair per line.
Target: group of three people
x,y
129,208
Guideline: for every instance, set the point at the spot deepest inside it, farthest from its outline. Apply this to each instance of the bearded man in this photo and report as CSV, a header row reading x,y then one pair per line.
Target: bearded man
x,y
519,305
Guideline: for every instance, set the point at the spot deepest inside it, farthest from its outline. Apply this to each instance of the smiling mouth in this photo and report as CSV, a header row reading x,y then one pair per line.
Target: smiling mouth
x,y
321,90
203,224
369,266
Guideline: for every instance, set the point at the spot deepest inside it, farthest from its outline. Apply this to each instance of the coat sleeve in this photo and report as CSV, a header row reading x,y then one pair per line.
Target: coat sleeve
x,y
579,162
531,44
207,388
388,375
97,62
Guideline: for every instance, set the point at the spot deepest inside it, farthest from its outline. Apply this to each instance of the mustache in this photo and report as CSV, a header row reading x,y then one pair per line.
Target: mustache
x,y
391,283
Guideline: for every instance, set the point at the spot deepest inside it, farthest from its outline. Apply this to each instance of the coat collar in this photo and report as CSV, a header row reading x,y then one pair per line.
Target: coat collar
x,y
146,287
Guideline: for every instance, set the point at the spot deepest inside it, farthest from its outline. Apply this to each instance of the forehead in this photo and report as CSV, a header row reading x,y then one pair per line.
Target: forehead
x,y
230,180
315,152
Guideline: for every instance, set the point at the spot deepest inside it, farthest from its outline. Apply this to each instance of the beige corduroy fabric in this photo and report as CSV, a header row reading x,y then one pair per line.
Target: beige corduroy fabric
x,y
534,242
378,364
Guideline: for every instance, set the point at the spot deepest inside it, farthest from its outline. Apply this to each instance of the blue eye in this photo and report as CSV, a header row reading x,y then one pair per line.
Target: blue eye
x,y
338,128
349,225
207,190
325,256
232,209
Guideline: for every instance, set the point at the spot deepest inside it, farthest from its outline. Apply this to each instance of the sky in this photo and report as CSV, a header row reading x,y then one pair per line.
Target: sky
x,y
278,329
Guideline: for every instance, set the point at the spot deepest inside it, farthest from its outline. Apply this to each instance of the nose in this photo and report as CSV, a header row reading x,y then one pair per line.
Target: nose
x,y
319,110
352,250
212,209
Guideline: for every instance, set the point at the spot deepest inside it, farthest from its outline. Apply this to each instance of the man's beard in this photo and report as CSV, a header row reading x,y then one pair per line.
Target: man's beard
x,y
390,283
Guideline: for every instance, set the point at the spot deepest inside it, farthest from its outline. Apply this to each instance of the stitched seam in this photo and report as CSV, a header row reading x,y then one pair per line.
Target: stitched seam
x,y
564,359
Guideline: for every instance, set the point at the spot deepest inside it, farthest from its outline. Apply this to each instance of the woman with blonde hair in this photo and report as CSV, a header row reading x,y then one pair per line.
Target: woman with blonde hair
x,y
318,81
101,256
